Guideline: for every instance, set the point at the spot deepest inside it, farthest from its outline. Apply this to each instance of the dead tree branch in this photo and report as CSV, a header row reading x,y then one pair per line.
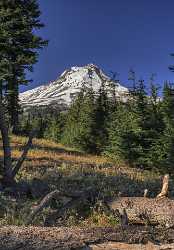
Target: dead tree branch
x,y
56,194
24,154
165,187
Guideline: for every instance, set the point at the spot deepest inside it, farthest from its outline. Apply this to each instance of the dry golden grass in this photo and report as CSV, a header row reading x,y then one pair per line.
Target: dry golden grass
x,y
50,154
68,169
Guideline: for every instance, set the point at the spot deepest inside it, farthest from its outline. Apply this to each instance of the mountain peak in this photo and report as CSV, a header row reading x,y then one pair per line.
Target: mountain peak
x,y
62,91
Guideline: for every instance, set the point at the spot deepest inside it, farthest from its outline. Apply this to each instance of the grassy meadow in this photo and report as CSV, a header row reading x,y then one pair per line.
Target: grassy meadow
x,y
51,166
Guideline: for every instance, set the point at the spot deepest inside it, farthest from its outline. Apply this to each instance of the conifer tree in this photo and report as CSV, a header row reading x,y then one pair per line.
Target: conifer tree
x,y
130,132
18,48
71,122
103,107
55,126
85,138
79,124
164,147
123,139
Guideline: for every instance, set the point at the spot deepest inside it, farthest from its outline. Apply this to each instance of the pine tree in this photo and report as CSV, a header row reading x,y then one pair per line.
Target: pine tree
x,y
155,124
55,126
18,48
131,132
103,109
124,129
79,125
86,122
164,147
71,122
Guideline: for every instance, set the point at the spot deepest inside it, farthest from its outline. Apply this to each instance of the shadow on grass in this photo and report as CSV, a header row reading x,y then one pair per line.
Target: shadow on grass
x,y
50,149
103,188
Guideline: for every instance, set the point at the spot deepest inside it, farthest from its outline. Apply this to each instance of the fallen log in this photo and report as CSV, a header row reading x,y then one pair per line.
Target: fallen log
x,y
44,238
124,246
143,210
134,210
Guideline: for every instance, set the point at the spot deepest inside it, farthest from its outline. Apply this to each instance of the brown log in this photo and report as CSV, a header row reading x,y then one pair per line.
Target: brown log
x,y
124,246
144,210
44,238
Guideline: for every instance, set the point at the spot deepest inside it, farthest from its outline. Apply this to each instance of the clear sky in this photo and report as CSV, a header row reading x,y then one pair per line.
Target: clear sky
x,y
114,34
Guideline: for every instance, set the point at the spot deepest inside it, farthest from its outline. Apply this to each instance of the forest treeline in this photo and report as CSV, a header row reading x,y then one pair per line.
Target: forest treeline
x,y
137,129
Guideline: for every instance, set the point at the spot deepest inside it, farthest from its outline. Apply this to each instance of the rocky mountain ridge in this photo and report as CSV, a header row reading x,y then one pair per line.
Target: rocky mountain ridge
x,y
61,92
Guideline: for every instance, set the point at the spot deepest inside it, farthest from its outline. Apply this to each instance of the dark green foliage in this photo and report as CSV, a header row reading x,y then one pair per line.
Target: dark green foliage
x,y
18,48
135,127
54,127
123,135
138,131
103,107
79,126
48,123
164,147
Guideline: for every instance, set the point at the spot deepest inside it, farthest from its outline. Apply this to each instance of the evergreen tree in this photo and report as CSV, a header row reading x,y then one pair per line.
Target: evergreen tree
x,y
71,122
155,123
55,126
135,126
123,135
18,48
164,147
103,109
79,125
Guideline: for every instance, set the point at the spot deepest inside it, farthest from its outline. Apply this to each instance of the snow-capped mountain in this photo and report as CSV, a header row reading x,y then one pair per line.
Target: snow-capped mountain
x,y
62,91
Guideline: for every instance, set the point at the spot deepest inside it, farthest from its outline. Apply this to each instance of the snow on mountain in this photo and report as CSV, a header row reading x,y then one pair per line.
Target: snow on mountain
x,y
62,91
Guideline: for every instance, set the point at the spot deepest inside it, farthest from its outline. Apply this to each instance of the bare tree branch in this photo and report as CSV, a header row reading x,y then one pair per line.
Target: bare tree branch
x,y
24,154
56,194
165,187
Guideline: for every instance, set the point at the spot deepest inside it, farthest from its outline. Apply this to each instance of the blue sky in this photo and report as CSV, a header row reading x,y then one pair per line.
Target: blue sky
x,y
114,34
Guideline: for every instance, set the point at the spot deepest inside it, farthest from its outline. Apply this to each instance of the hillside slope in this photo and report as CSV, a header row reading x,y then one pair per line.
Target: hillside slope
x,y
51,166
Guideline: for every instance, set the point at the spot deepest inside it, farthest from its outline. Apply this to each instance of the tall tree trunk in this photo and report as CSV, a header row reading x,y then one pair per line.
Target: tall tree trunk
x,y
6,142
13,106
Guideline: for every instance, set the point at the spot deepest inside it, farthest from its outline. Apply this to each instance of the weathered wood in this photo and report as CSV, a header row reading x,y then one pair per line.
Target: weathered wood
x,y
145,192
42,238
56,194
165,187
124,246
145,210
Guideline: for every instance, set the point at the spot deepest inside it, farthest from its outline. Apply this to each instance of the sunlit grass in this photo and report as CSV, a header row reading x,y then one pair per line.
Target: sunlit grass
x,y
66,168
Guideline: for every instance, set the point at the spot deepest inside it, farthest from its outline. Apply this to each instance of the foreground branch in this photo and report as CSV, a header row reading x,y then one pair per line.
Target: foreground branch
x,y
24,155
56,194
